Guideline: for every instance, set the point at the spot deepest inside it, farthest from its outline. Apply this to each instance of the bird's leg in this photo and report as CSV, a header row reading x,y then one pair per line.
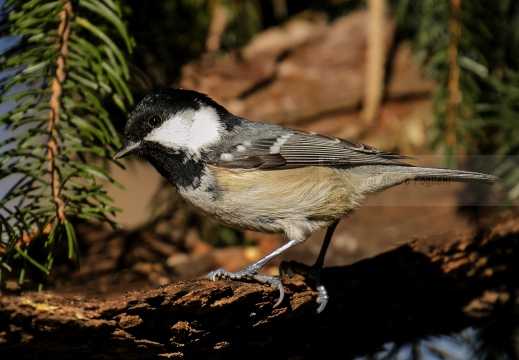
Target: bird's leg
x,y
251,271
314,271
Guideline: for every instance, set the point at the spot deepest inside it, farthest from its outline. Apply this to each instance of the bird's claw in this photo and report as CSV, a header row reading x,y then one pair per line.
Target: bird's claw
x,y
323,298
313,272
248,274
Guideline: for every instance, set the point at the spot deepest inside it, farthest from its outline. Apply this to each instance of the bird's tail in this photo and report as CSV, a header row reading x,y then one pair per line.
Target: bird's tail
x,y
448,174
372,179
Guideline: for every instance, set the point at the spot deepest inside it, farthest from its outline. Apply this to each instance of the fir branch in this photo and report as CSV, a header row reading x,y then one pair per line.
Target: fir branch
x,y
61,74
55,103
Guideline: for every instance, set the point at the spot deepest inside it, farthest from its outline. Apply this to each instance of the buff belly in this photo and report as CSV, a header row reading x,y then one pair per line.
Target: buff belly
x,y
295,201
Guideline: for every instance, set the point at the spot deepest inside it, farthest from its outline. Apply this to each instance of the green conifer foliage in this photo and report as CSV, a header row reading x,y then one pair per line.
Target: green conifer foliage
x,y
66,61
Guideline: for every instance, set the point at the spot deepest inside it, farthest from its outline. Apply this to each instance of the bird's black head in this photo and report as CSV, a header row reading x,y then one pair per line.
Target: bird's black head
x,y
175,119
172,127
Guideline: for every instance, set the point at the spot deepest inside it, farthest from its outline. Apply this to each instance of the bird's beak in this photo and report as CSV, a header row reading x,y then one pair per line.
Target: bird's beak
x,y
127,149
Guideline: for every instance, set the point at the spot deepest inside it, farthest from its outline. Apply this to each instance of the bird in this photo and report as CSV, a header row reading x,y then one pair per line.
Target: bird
x,y
263,177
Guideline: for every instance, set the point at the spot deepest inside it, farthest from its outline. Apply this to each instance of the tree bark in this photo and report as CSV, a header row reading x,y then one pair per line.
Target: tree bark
x,y
439,284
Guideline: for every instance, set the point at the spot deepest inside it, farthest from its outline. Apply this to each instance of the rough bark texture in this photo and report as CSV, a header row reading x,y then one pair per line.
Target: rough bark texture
x,y
440,284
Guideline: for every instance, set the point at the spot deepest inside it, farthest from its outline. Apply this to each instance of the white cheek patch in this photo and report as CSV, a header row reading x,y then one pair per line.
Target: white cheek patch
x,y
188,129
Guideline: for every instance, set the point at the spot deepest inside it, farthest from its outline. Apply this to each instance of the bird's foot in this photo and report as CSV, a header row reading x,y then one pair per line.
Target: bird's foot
x,y
250,274
313,272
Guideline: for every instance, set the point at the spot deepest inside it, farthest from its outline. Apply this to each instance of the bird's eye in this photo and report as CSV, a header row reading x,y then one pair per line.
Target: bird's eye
x,y
155,121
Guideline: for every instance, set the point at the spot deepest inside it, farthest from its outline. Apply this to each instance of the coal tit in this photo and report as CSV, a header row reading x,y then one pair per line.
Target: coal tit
x,y
263,177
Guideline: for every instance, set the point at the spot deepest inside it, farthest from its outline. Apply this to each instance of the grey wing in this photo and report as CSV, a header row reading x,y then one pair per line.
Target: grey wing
x,y
294,149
